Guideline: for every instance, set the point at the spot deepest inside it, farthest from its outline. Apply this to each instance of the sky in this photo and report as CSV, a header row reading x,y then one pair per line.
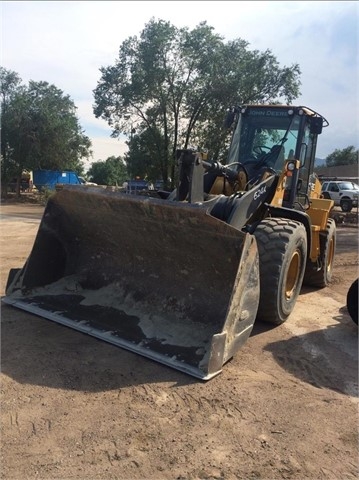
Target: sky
x,y
66,43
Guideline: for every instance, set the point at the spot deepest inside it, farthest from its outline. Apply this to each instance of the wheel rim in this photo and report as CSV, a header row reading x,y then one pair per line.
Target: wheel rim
x,y
293,274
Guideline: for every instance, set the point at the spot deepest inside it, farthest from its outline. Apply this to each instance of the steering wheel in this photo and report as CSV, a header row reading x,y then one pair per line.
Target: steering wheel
x,y
261,150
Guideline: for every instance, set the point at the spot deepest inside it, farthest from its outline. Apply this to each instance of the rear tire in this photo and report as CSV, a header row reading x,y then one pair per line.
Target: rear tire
x,y
352,301
282,246
322,277
346,205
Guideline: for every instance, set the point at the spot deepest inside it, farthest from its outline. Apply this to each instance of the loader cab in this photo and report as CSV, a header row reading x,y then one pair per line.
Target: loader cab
x,y
266,136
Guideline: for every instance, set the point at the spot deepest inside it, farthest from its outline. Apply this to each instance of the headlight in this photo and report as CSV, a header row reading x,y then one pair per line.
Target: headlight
x,y
291,166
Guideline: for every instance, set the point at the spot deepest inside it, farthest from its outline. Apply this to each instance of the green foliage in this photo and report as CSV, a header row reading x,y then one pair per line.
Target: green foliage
x,y
112,172
40,128
45,195
346,156
144,158
9,85
175,85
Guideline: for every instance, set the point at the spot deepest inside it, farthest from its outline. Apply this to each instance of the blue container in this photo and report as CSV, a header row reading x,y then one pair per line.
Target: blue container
x,y
48,179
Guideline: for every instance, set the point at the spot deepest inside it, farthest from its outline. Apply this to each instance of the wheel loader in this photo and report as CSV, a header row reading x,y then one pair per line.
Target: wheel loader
x,y
180,277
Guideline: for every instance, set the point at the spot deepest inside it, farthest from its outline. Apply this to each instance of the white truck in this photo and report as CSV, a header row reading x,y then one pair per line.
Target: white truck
x,y
344,193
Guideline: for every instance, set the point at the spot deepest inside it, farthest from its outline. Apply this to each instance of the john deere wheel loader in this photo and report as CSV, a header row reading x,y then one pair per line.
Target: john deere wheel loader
x,y
181,278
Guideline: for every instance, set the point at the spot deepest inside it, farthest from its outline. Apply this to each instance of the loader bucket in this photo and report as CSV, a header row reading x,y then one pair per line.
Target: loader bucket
x,y
160,278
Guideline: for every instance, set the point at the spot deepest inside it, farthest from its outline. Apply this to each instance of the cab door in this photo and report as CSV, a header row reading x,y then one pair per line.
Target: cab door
x,y
334,192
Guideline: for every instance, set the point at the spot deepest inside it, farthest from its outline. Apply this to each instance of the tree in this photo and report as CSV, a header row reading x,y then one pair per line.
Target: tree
x,y
176,85
142,154
346,156
9,85
112,171
42,131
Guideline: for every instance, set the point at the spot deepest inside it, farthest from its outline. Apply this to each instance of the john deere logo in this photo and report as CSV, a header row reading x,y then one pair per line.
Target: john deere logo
x,y
268,113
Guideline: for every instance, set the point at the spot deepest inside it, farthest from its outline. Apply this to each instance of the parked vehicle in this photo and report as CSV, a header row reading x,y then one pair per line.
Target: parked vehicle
x,y
25,184
83,181
136,185
344,193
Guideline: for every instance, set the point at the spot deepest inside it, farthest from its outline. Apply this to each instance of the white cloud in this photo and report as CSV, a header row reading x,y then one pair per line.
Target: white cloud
x,y
87,117
103,145
107,147
66,43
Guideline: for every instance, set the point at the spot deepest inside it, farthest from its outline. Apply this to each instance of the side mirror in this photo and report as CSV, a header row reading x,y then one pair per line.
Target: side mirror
x,y
316,125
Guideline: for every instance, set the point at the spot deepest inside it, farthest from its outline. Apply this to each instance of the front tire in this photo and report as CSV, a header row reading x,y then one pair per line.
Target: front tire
x,y
320,276
282,246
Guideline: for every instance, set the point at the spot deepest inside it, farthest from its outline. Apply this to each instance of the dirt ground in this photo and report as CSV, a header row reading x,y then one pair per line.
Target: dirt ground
x,y
285,407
